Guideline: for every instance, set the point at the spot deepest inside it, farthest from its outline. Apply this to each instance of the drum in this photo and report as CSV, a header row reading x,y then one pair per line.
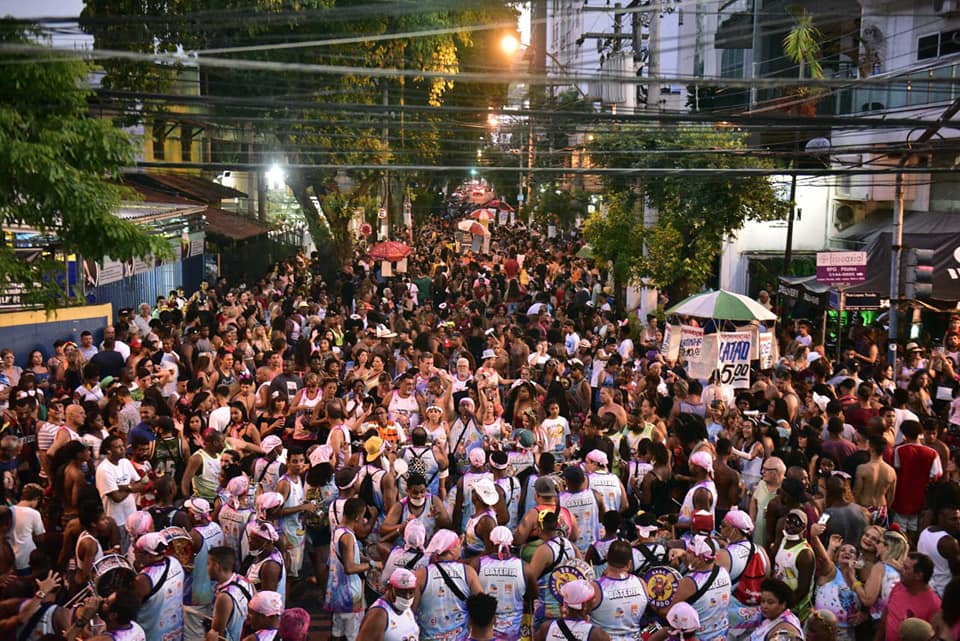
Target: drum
x,y
112,573
660,583
180,546
569,571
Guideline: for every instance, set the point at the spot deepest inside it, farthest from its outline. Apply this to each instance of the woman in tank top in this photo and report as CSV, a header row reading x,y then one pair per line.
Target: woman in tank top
x,y
835,580
240,426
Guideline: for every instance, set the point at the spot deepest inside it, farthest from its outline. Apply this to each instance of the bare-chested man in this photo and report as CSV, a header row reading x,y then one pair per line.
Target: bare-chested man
x,y
876,481
729,485
931,438
75,455
608,405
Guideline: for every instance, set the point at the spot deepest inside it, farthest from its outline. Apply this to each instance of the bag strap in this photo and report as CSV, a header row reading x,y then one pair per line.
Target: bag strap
x,y
734,581
34,621
647,554
565,629
412,562
557,559
450,584
163,579
693,598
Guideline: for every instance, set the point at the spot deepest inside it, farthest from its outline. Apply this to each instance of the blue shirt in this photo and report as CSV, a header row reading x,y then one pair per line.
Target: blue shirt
x,y
141,429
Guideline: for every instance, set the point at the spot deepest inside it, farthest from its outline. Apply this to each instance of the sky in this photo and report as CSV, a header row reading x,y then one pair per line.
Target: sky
x,y
66,34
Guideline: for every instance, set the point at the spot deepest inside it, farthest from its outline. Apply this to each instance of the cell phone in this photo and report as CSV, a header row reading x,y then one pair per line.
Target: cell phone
x,y
823,519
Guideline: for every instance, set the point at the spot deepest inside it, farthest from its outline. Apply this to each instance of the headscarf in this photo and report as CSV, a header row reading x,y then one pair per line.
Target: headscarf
x,y
502,537
443,541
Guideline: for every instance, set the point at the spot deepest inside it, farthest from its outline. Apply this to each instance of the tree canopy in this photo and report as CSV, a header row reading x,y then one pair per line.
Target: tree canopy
x,y
326,119
58,170
694,214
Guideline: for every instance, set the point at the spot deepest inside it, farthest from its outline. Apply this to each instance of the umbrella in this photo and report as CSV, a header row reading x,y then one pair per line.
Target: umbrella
x,y
498,204
390,251
586,251
722,305
480,214
473,227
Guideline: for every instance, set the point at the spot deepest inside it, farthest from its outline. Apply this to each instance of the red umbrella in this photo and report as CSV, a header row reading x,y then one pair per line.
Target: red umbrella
x,y
478,229
390,251
502,205
481,213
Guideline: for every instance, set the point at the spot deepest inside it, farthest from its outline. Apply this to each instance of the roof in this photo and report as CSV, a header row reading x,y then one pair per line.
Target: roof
x,y
193,187
142,212
232,226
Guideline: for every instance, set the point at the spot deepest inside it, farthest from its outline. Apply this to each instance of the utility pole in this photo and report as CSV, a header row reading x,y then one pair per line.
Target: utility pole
x,y
653,57
385,222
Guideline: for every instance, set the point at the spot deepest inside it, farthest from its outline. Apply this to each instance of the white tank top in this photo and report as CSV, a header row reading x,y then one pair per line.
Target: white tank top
x,y
234,523
927,544
607,486
712,606
133,632
583,506
76,550
622,606
408,407
347,450
401,626
579,629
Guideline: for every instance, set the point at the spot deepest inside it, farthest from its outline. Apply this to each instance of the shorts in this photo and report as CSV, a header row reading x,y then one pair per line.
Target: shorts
x,y
318,536
907,522
346,624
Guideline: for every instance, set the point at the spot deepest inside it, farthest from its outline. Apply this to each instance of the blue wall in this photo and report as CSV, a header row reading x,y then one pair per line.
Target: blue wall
x,y
24,332
145,287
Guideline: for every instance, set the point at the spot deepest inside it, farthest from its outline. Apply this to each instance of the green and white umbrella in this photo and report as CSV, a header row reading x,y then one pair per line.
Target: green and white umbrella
x,y
722,305
586,251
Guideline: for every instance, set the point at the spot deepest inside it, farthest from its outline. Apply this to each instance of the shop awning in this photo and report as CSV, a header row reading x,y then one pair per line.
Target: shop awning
x,y
223,223
185,185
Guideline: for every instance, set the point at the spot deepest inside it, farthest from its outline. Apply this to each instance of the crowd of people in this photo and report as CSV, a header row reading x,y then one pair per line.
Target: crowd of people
x,y
478,448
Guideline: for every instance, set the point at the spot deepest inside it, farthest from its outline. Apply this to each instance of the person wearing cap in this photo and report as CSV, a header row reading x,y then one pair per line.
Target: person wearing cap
x,y
546,498
737,528
202,474
555,547
444,585
794,562
232,594
382,481
503,576
263,616
428,460
706,587
579,599
266,469
159,587
623,600
391,617
702,495
463,503
418,504
267,571
603,482
293,535
345,593
198,594
585,504
486,499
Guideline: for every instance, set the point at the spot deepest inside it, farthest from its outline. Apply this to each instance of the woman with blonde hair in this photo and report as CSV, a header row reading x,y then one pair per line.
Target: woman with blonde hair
x,y
874,592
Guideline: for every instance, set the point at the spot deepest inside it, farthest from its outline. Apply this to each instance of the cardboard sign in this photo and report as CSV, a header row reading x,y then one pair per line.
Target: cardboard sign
x,y
765,343
733,355
670,348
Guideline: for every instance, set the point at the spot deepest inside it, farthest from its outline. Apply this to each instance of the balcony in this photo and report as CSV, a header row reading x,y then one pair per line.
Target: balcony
x,y
923,88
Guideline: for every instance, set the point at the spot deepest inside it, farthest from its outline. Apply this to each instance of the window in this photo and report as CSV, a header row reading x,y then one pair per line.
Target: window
x,y
935,45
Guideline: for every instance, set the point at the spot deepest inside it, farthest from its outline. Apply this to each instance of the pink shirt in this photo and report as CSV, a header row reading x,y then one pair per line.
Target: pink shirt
x,y
903,605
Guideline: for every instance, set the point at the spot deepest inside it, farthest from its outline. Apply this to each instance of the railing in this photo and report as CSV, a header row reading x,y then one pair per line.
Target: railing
x,y
917,89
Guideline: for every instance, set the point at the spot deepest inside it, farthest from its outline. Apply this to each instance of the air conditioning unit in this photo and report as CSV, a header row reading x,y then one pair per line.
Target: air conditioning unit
x,y
847,213
946,7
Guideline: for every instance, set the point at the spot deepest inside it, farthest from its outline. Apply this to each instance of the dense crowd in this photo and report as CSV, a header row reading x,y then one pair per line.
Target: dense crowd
x,y
477,448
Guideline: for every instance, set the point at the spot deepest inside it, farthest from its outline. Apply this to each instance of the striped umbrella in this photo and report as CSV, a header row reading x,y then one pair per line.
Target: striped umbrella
x,y
722,305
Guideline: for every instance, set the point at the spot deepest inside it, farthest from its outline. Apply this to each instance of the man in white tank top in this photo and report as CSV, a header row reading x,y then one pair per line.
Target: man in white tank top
x,y
391,616
579,599
939,542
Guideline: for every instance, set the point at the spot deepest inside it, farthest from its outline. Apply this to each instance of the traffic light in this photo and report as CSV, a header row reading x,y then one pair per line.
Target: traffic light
x,y
918,273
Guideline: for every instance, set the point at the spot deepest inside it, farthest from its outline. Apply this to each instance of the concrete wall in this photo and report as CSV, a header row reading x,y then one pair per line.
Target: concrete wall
x,y
24,332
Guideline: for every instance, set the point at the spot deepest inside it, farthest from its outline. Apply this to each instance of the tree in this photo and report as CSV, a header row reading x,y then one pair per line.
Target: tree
x,y
318,118
616,237
801,46
58,170
695,214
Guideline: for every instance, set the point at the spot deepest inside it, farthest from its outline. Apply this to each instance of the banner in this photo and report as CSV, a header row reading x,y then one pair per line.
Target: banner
x,y
703,368
733,354
670,348
765,341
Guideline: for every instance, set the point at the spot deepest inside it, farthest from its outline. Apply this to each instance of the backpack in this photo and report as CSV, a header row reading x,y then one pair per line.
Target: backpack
x,y
367,491
748,585
417,465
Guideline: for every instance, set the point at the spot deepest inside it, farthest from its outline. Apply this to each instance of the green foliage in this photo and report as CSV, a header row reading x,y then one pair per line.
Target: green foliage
x,y
560,205
695,213
299,115
57,170
801,45
615,234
